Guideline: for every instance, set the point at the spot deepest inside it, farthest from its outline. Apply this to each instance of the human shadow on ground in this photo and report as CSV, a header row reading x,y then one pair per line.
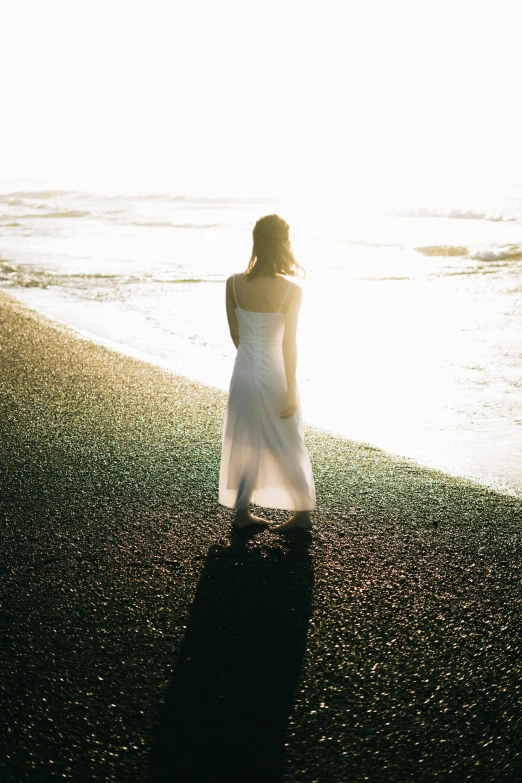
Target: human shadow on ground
x,y
227,709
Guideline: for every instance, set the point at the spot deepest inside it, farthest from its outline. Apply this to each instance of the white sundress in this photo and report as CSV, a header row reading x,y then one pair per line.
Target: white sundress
x,y
263,459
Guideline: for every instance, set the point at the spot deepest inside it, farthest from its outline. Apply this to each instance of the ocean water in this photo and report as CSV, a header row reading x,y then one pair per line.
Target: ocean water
x,y
410,335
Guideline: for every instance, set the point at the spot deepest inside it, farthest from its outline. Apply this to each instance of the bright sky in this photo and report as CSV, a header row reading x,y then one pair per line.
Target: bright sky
x,y
259,97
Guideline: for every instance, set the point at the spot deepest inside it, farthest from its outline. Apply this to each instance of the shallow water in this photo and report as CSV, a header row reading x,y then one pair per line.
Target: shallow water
x,y
410,334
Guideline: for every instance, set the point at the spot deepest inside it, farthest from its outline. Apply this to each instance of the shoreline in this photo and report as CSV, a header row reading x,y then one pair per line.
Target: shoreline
x,y
437,456
386,644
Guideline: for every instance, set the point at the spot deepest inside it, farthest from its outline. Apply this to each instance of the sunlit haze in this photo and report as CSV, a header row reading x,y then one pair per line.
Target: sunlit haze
x,y
266,97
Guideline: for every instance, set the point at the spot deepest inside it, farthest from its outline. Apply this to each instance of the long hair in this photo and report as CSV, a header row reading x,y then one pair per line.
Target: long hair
x,y
271,250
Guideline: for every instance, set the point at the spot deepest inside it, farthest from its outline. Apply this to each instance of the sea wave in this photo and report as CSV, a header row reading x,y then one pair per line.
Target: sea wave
x,y
125,208
443,250
512,252
170,224
27,276
65,213
40,195
457,214
194,199
18,197
498,253
108,215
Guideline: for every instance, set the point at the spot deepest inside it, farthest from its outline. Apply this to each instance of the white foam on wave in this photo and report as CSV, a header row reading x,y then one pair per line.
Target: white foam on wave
x,y
497,253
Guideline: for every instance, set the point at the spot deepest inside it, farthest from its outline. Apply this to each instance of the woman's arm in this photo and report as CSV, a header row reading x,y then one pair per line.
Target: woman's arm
x,y
231,313
290,351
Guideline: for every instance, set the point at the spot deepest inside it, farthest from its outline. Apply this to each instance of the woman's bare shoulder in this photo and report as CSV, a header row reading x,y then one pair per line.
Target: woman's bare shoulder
x,y
296,292
230,280
293,298
238,276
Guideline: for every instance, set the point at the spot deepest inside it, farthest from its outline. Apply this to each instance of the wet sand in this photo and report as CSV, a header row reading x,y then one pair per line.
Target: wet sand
x,y
143,640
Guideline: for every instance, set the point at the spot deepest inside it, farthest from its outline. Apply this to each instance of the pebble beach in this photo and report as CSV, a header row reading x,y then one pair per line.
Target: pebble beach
x,y
144,639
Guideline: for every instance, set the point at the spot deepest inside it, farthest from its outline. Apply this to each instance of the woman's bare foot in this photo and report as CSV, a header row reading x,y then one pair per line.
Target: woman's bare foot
x,y
301,520
244,518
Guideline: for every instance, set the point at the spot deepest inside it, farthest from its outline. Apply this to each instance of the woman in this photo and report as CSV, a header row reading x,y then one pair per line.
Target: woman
x,y
264,459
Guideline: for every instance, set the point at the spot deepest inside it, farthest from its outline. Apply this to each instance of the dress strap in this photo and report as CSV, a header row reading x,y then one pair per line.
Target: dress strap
x,y
234,287
284,297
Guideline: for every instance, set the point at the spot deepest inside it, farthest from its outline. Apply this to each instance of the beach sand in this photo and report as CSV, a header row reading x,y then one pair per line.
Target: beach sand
x,y
144,640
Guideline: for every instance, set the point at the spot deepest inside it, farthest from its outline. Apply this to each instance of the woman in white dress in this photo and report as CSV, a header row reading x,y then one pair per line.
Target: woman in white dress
x,y
264,459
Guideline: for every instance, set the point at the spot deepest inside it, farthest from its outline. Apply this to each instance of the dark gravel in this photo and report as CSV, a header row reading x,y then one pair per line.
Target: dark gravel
x,y
142,640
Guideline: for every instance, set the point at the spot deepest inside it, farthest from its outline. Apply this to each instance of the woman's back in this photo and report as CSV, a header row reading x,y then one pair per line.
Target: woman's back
x,y
262,294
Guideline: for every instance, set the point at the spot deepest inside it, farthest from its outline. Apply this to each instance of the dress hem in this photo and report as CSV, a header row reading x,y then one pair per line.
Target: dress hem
x,y
275,508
